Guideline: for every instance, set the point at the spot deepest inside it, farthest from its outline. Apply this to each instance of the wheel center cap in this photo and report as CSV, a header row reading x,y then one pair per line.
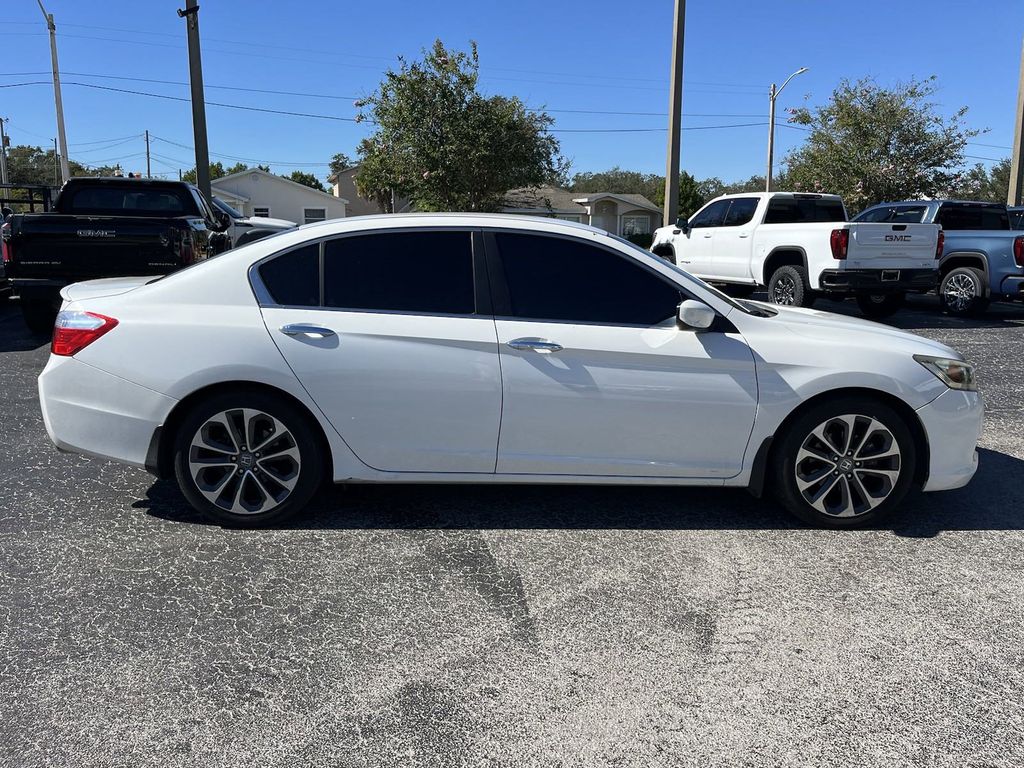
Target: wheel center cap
x,y
246,460
845,465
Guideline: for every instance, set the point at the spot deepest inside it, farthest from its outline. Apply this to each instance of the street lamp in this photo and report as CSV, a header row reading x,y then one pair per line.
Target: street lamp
x,y
772,95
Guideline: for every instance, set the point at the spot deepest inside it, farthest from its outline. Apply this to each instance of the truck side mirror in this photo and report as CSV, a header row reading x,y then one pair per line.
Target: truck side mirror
x,y
683,223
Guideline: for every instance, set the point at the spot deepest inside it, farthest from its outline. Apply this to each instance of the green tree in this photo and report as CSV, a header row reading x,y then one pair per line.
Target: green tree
x,y
445,146
988,184
871,144
35,165
692,193
340,162
308,179
218,171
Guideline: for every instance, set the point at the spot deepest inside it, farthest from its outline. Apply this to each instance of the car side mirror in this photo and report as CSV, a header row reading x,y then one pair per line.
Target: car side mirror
x,y
221,219
683,223
696,315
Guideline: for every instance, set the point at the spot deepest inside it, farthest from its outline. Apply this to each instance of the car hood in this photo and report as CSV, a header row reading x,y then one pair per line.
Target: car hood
x,y
261,222
842,330
109,286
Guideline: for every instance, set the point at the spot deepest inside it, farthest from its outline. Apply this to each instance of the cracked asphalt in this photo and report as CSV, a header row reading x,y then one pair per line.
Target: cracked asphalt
x,y
510,626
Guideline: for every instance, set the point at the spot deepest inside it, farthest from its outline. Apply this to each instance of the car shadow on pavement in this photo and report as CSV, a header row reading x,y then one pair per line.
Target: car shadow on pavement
x,y
14,336
989,503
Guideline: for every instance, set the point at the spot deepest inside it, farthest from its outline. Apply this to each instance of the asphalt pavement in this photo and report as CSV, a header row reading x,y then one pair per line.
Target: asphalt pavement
x,y
510,626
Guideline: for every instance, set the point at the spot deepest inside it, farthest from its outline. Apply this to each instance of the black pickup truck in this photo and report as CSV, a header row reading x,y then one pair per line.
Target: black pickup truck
x,y
107,227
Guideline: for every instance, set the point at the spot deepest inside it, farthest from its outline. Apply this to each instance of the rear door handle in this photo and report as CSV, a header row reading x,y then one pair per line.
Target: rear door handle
x,y
707,234
304,329
543,346
744,234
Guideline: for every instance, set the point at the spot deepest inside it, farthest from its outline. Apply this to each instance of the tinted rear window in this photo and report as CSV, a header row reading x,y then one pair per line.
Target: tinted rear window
x,y
293,278
128,200
966,217
790,210
429,272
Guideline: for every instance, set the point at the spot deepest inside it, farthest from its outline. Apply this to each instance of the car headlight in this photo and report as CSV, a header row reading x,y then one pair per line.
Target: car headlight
x,y
955,374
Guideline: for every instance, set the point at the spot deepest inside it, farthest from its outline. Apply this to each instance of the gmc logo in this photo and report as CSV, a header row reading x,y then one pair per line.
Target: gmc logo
x,y
96,233
898,238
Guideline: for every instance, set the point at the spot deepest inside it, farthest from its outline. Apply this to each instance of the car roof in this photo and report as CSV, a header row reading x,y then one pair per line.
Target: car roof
x,y
455,219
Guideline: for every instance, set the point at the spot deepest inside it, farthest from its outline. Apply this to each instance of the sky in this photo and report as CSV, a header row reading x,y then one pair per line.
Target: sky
x,y
582,61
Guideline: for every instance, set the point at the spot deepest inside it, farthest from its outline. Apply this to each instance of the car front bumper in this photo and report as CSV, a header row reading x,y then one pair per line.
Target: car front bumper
x,y
878,280
952,423
87,410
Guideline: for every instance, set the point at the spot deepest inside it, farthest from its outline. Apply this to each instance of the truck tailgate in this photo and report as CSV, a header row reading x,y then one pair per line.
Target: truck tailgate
x,y
82,247
886,246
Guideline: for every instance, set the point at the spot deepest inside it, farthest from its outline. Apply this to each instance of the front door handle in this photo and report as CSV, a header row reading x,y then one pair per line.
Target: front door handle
x,y
707,234
543,346
304,329
744,234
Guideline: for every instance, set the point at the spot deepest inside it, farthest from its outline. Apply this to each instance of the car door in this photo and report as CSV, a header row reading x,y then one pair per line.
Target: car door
x,y
597,379
391,335
694,248
733,241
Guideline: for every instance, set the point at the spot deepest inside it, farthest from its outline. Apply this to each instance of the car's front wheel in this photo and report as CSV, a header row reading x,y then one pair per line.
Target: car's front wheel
x,y
844,462
247,459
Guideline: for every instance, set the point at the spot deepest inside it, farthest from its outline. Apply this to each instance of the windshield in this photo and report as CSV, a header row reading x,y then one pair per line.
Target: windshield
x,y
227,208
745,309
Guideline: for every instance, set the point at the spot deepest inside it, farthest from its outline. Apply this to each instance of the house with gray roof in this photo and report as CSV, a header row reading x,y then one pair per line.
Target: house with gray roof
x,y
620,214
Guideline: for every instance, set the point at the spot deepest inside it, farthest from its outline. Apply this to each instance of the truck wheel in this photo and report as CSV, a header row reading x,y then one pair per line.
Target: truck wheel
x,y
39,316
877,305
788,286
962,292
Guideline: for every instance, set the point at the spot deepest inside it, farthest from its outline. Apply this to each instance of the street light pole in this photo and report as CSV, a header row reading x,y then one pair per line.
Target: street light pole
x,y
675,116
772,95
65,171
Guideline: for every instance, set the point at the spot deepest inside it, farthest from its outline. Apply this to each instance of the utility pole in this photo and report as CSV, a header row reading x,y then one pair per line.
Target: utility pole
x,y
195,69
772,94
1015,193
149,173
675,116
3,152
56,165
65,171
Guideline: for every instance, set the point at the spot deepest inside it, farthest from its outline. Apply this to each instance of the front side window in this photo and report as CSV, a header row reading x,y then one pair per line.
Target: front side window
x,y
712,216
560,279
638,224
312,215
741,211
293,278
415,272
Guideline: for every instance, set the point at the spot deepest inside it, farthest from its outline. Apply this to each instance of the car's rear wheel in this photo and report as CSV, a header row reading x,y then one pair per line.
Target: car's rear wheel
x,y
788,286
247,459
877,305
844,462
962,292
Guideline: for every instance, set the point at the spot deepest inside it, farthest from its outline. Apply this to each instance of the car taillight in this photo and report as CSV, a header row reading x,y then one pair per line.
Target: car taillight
x,y
6,252
1018,250
940,244
74,331
186,251
840,242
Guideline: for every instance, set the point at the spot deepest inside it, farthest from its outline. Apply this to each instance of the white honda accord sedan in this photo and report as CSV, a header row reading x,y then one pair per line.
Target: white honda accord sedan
x,y
467,348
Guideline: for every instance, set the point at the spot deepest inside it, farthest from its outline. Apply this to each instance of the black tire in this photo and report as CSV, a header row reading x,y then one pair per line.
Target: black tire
x,y
962,292
788,286
260,474
39,315
878,305
839,485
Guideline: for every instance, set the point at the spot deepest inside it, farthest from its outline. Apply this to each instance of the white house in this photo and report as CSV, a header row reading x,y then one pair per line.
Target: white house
x,y
620,214
255,192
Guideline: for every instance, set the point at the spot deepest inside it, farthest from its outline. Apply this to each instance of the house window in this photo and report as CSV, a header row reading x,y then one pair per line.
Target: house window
x,y
636,225
261,212
312,215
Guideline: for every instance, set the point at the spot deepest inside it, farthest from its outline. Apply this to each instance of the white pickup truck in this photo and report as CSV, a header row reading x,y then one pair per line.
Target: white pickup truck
x,y
801,246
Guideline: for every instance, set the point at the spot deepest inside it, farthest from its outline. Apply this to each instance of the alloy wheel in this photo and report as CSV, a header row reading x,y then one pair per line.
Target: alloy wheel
x,y
848,465
244,461
784,291
959,291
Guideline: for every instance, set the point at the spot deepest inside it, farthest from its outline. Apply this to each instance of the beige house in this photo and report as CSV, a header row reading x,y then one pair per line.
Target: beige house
x,y
254,192
620,214
343,185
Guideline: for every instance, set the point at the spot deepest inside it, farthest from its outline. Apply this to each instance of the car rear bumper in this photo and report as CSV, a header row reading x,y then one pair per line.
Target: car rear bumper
x,y
878,280
952,423
1012,287
86,410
